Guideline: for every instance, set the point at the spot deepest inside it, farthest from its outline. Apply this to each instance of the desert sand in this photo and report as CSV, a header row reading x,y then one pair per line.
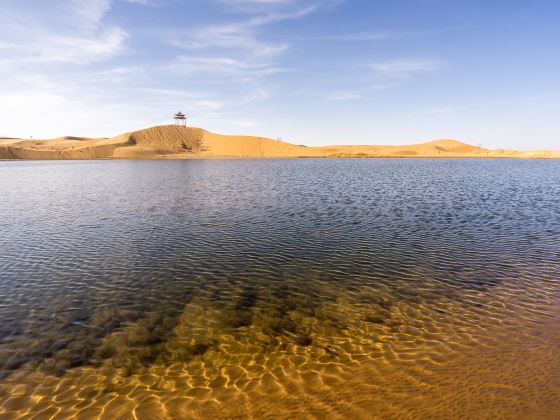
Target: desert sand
x,y
177,142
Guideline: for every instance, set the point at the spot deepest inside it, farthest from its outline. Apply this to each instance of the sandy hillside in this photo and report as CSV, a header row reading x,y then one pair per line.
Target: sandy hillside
x,y
7,140
175,142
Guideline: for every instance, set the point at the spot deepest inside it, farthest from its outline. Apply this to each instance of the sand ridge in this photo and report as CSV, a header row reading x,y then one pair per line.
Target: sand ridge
x,y
177,142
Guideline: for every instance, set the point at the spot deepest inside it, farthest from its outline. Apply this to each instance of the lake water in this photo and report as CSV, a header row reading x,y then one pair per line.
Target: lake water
x,y
280,288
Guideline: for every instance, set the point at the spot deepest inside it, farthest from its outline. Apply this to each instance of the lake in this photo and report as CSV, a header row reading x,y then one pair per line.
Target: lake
x,y
342,288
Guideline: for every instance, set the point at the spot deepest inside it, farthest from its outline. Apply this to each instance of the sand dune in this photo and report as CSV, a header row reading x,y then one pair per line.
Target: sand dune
x,y
176,142
8,140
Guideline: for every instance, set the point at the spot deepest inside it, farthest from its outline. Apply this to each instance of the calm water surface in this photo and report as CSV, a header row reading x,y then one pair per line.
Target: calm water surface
x,y
319,288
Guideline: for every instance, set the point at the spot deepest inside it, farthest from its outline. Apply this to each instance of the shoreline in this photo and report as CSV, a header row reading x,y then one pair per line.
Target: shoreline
x,y
167,158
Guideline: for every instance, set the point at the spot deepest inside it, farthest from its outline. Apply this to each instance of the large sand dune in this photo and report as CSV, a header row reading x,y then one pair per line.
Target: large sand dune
x,y
176,142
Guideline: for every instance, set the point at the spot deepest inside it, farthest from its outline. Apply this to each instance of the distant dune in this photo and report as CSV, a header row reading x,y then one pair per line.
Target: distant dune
x,y
176,142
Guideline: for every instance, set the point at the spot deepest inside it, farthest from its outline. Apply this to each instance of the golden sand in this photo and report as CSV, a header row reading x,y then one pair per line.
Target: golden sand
x,y
176,142
462,360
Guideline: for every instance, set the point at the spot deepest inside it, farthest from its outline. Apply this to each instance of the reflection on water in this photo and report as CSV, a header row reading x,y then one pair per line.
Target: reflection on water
x,y
326,288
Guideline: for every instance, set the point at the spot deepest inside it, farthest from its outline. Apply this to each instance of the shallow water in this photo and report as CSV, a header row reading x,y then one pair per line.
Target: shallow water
x,y
273,288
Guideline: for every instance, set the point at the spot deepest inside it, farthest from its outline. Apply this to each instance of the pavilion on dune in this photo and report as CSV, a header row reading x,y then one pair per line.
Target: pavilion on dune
x,y
180,119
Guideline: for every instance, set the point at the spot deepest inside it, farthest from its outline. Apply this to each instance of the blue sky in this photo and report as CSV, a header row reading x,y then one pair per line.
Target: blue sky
x,y
311,72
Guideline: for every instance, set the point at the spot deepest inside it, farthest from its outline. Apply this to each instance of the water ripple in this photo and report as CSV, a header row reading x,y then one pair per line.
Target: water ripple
x,y
327,288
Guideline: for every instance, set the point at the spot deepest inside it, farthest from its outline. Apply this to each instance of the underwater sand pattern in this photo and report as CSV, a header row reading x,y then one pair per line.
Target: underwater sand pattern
x,y
281,289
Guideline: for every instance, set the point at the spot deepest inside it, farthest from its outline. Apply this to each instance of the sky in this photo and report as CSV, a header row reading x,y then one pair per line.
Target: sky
x,y
306,71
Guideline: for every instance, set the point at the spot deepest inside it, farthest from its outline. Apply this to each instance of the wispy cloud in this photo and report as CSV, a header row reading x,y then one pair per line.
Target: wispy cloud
x,y
268,4
239,69
387,75
349,95
242,34
358,36
260,6
344,95
407,66
143,2
88,13
48,47
238,49
258,94
75,33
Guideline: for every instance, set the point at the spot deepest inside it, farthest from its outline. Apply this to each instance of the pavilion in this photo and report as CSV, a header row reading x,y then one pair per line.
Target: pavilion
x,y
180,119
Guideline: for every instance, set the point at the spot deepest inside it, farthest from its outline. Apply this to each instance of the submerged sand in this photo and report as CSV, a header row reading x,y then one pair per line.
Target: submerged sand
x,y
457,360
176,142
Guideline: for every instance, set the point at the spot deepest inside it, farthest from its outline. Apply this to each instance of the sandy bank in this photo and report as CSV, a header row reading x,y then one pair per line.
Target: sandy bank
x,y
176,142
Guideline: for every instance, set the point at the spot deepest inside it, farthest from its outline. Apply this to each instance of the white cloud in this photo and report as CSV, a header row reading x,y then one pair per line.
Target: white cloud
x,y
359,36
66,113
88,12
239,35
53,48
388,74
235,51
407,66
344,95
260,6
76,49
237,69
94,104
259,94
349,95
68,31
